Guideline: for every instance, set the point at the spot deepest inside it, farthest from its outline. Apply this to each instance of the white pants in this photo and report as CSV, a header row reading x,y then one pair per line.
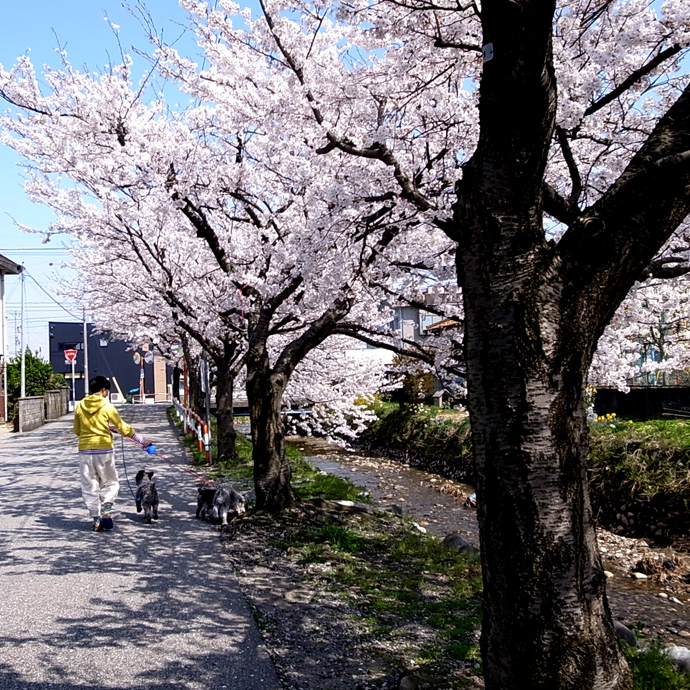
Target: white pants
x,y
99,480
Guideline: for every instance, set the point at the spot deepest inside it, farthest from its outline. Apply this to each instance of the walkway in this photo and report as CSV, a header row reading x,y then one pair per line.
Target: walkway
x,y
150,607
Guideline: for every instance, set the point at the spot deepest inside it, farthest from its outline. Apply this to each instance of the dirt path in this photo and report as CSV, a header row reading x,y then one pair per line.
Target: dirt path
x,y
437,504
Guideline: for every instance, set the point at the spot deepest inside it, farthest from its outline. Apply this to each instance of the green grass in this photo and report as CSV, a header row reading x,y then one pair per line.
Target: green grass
x,y
653,670
643,467
396,578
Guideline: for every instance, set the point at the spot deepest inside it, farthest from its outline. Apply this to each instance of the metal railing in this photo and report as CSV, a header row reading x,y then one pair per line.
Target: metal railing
x,y
194,424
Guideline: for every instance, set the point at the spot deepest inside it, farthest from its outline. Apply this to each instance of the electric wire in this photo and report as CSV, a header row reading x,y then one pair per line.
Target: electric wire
x,y
78,318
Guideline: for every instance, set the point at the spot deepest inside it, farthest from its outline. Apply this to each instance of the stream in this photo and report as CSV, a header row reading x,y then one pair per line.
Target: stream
x,y
436,504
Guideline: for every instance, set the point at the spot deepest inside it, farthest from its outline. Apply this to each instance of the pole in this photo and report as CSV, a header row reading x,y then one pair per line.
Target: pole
x,y
86,356
142,383
23,366
207,387
73,395
3,345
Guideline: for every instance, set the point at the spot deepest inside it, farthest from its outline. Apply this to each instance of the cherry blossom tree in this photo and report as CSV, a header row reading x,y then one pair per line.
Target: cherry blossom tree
x,y
251,255
549,142
487,119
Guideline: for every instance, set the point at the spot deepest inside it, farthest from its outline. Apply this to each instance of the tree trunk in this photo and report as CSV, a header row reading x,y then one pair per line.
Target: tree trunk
x,y
227,436
197,400
176,383
529,340
541,567
272,473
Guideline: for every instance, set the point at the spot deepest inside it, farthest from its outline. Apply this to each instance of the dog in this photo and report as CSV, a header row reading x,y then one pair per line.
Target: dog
x,y
226,500
147,495
214,503
204,502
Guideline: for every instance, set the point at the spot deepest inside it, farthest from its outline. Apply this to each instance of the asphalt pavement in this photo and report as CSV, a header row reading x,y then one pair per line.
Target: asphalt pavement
x,y
151,607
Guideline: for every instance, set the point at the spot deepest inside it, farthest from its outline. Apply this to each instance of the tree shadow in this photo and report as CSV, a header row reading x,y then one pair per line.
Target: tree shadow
x,y
152,605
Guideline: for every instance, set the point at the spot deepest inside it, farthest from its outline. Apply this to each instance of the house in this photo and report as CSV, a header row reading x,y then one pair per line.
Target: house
x,y
7,268
109,357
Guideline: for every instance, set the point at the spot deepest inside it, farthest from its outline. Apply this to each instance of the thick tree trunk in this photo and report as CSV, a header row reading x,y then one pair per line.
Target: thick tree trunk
x,y
529,340
227,436
272,473
542,572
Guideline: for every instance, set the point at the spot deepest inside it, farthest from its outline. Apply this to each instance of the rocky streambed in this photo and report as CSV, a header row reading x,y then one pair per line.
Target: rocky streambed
x,y
648,586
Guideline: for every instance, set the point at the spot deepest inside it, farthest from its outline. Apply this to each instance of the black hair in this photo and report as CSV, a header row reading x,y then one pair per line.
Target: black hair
x,y
98,383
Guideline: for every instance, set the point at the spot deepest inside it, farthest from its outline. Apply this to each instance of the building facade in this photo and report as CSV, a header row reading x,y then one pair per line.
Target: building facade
x,y
111,358
7,268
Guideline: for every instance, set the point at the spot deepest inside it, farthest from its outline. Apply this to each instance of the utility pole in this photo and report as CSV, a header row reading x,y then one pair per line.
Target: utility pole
x,y
86,356
23,367
3,345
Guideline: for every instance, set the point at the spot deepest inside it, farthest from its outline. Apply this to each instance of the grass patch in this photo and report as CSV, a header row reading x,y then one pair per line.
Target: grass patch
x,y
653,670
408,587
643,467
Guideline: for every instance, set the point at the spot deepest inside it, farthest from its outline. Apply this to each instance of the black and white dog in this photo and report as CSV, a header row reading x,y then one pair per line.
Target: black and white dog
x,y
147,495
214,503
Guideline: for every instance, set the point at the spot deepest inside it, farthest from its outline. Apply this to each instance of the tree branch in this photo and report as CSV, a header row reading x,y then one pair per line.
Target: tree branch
x,y
632,78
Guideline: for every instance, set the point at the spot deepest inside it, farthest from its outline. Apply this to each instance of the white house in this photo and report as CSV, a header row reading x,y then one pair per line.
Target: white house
x,y
7,267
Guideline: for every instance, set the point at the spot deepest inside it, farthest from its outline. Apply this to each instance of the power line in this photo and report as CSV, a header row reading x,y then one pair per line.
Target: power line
x,y
21,250
51,297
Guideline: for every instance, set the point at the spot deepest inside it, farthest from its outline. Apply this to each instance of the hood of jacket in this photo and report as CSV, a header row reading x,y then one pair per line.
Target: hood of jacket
x,y
92,404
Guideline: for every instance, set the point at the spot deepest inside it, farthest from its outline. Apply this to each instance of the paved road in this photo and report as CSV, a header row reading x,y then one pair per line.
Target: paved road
x,y
145,607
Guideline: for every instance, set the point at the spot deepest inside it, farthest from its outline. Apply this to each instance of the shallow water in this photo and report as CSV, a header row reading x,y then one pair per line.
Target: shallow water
x,y
437,505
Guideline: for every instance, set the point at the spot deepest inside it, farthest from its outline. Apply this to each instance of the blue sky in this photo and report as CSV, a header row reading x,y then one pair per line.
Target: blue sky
x,y
35,28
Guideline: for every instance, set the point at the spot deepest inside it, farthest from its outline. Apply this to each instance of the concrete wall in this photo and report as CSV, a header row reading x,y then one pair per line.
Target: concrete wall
x,y
57,403
31,413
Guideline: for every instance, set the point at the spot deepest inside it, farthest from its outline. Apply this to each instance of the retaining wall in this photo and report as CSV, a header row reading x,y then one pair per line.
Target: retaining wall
x,y
57,403
32,413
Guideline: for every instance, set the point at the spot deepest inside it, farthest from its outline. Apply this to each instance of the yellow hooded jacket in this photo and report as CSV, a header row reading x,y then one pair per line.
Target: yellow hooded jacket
x,y
92,420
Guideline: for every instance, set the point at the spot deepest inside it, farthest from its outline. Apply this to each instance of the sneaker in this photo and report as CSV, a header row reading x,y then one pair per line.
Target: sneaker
x,y
97,526
107,521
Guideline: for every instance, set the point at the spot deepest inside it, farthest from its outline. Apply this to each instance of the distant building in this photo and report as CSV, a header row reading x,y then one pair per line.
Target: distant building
x,y
7,268
108,357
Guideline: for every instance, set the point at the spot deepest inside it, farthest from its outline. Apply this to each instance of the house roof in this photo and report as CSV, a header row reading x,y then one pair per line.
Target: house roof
x,y
9,267
443,325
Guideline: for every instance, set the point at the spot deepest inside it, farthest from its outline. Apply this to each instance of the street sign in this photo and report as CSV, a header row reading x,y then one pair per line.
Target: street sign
x,y
70,355
148,357
136,357
176,348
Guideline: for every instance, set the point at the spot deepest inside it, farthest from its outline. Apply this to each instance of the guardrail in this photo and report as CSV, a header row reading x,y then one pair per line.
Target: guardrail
x,y
195,425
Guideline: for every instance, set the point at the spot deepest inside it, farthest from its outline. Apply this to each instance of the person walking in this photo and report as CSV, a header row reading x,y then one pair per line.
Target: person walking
x,y
94,421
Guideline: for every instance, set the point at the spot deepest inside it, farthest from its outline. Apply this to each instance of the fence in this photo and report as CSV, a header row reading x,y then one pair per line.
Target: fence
x,y
194,424
57,403
31,413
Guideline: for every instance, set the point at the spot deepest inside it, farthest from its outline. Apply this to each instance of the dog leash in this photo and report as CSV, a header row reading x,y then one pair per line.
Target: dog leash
x,y
183,468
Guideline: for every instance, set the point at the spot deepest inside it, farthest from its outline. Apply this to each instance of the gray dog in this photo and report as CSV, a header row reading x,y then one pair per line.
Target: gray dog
x,y
226,500
215,503
147,495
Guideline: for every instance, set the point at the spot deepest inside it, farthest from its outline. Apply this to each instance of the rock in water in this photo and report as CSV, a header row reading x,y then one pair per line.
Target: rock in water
x,y
681,655
625,634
